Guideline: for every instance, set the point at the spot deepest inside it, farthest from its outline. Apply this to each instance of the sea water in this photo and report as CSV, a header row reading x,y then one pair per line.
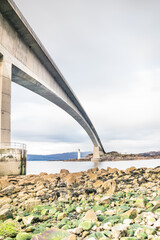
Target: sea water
x,y
36,167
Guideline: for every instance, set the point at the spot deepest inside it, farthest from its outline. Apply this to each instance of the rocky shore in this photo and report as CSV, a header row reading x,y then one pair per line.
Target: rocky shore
x,y
95,204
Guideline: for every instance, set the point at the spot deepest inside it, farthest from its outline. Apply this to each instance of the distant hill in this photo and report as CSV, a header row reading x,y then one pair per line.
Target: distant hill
x,y
115,156
56,157
152,153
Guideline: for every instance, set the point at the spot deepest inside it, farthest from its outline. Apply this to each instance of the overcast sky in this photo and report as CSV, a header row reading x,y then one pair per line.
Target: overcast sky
x,y
109,52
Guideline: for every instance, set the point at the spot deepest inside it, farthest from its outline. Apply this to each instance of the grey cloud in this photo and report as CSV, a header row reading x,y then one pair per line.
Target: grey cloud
x,y
108,51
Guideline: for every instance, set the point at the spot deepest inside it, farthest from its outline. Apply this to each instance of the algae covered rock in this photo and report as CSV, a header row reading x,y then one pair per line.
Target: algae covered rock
x,y
131,214
96,235
129,238
86,225
140,202
9,228
61,216
23,236
31,203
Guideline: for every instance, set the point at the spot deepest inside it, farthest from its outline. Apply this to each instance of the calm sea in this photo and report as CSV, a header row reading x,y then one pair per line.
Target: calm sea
x,y
36,167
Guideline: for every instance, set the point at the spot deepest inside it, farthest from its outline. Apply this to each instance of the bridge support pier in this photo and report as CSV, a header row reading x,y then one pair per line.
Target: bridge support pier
x,y
12,156
96,153
5,100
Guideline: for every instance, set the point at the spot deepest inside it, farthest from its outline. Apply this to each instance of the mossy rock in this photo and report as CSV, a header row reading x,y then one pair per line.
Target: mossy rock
x,y
97,235
99,207
124,207
113,219
129,238
86,225
44,210
140,202
9,228
130,232
23,236
158,211
61,216
142,236
101,218
108,233
149,205
149,230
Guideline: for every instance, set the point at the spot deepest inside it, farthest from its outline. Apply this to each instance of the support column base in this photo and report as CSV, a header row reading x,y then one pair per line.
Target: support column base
x,y
12,160
97,153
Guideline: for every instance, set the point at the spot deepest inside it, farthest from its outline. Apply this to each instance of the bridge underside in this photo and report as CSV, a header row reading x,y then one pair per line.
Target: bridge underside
x,y
10,73
24,60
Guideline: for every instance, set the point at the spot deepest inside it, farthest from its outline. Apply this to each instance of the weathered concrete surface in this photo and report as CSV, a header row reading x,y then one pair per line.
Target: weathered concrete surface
x,y
5,100
12,161
33,68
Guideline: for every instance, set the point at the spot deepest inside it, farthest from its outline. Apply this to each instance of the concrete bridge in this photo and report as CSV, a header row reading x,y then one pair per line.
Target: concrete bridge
x,y
24,60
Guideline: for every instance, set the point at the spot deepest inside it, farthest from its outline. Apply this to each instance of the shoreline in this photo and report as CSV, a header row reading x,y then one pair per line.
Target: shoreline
x,y
107,160
95,204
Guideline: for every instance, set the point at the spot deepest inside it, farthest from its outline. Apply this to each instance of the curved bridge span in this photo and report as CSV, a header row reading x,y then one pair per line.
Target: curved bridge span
x,y
24,60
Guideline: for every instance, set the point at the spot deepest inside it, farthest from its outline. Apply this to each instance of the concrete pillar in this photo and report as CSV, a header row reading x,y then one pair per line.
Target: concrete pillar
x,y
96,153
5,100
79,154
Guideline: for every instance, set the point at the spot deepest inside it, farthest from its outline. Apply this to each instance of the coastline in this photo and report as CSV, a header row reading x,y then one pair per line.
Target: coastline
x,y
94,204
110,160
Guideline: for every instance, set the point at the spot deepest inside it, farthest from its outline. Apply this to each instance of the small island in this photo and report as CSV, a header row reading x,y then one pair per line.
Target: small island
x,y
116,156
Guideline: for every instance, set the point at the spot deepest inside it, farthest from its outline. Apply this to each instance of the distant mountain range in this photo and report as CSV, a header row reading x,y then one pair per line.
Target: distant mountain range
x,y
56,157
112,156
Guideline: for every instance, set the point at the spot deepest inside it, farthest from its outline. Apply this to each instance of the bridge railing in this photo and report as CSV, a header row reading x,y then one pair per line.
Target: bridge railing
x,y
13,145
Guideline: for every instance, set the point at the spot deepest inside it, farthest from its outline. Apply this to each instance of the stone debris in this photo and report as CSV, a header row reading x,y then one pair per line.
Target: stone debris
x,y
90,205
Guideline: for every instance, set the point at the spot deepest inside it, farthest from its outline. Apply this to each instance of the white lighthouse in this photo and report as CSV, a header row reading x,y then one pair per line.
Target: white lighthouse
x,y
79,154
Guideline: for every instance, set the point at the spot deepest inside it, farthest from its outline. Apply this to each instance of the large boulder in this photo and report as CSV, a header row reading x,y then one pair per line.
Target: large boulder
x,y
4,182
70,179
64,171
31,203
5,200
90,215
9,228
8,190
6,212
98,184
55,233
110,186
23,236
130,169
29,219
